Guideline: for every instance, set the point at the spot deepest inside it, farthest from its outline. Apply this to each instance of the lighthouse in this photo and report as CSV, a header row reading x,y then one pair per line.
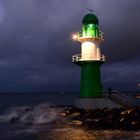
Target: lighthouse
x,y
90,59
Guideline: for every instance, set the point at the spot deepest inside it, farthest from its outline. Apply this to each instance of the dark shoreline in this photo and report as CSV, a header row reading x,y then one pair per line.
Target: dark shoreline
x,y
61,122
101,119
61,116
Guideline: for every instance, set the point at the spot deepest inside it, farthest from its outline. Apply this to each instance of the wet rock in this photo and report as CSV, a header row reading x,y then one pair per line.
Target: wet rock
x,y
63,114
89,120
76,114
77,122
115,118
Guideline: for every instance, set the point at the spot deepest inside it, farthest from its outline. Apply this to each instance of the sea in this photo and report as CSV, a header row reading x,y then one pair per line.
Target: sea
x,y
36,116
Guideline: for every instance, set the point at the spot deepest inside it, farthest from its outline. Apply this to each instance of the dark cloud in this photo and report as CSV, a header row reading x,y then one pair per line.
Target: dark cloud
x,y
36,45
120,23
122,75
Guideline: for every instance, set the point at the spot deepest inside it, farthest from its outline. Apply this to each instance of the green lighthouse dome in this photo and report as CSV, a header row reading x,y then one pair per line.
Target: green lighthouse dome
x,y
90,19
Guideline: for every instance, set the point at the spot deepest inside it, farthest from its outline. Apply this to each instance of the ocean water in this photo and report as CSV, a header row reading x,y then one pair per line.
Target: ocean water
x,y
31,99
36,116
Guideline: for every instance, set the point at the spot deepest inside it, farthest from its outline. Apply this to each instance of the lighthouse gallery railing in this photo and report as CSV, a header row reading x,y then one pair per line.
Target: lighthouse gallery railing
x,y
78,57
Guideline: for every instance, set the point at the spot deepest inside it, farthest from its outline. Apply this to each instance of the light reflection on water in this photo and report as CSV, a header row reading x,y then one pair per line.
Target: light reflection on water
x,y
70,134
81,134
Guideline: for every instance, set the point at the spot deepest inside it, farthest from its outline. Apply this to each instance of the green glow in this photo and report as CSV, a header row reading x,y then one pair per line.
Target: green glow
x,y
90,30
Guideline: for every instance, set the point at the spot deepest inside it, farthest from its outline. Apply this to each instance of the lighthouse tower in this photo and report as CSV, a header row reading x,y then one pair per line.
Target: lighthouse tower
x,y
90,58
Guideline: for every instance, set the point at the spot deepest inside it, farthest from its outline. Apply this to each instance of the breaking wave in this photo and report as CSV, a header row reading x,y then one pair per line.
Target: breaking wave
x,y
28,122
38,115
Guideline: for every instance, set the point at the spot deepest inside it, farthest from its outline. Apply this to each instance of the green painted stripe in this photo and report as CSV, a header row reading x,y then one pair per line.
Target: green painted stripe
x,y
90,85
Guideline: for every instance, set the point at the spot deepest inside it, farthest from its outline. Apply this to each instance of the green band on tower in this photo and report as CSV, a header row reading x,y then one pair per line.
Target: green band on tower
x,y
90,85
90,58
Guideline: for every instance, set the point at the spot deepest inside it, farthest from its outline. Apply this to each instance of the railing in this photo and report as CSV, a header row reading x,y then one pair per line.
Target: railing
x,y
102,57
79,57
76,58
121,99
100,35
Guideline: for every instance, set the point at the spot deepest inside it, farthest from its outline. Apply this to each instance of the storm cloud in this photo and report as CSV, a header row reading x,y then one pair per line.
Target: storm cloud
x,y
36,45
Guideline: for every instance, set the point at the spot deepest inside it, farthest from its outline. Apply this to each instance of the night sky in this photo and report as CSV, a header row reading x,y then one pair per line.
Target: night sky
x,y
36,45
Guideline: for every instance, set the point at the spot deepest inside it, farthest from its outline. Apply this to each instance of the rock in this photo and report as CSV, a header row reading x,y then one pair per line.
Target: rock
x,y
76,114
88,120
122,119
115,118
63,114
124,112
77,122
130,111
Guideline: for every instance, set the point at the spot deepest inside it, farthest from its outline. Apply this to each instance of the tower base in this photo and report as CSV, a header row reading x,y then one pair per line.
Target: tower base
x,y
91,103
